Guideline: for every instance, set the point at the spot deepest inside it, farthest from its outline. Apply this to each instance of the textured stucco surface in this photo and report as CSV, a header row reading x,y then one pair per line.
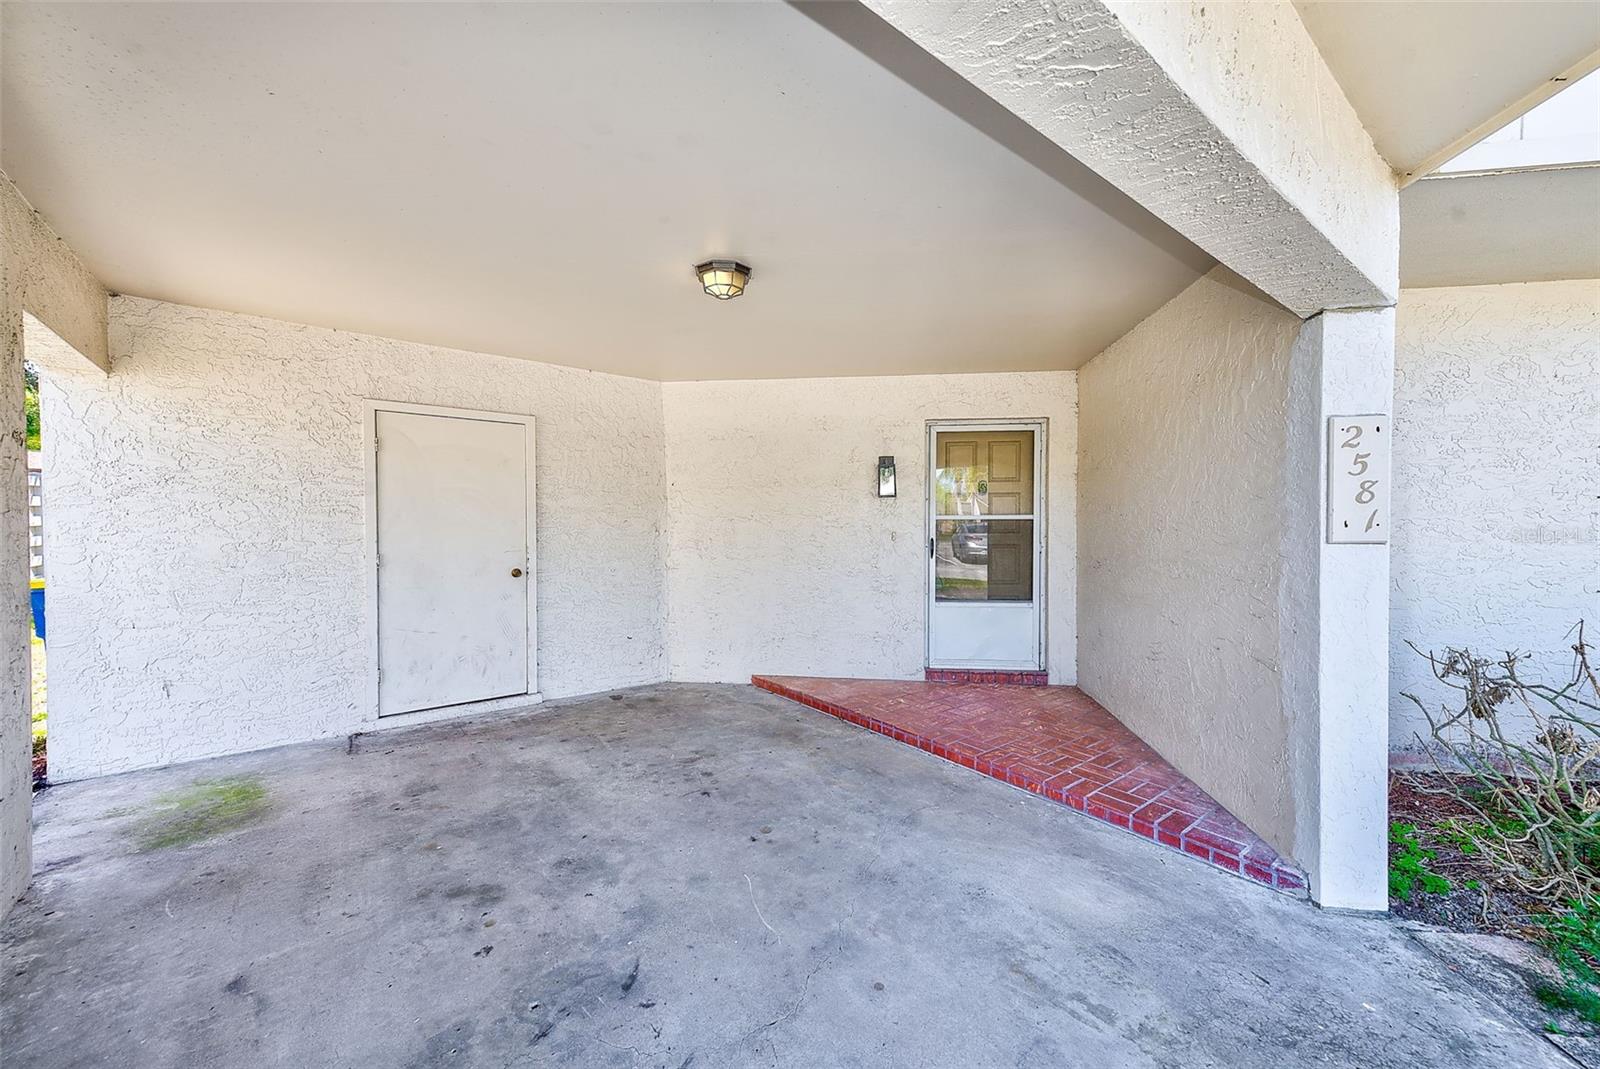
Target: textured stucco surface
x,y
1334,620
207,546
1181,476
208,563
41,275
1220,119
1497,478
49,281
1213,617
782,558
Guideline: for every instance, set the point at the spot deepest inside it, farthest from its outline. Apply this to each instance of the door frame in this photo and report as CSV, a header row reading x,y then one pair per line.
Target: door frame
x,y
370,408
1040,426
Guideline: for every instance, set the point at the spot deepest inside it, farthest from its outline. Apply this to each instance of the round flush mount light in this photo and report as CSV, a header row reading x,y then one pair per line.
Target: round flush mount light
x,y
723,279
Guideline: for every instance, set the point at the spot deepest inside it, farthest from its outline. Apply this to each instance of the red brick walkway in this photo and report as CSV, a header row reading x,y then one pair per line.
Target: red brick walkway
x,y
1057,742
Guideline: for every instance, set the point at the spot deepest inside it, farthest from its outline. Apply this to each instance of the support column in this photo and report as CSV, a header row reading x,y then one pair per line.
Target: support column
x,y
1335,612
16,736
41,275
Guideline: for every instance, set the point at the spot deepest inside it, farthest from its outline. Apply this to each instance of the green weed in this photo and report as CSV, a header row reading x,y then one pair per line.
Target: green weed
x,y
1573,939
1408,867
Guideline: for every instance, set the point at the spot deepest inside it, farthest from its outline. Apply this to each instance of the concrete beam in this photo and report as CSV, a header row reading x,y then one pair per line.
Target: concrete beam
x,y
41,275
1221,119
45,278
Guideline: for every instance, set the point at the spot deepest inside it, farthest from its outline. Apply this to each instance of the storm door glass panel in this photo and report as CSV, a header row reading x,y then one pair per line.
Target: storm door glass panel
x,y
984,560
983,522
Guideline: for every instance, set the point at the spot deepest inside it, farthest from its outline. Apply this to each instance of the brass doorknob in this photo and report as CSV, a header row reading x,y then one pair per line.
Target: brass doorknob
x,y
516,573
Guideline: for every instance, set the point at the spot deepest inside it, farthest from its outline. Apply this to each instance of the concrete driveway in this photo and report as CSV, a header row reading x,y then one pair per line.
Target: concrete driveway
x,y
678,876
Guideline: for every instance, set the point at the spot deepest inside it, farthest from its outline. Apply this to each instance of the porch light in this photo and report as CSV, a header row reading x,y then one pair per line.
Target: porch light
x,y
886,476
723,279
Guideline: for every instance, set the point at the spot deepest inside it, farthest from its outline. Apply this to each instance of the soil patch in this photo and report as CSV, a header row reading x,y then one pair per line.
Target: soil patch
x,y
1476,900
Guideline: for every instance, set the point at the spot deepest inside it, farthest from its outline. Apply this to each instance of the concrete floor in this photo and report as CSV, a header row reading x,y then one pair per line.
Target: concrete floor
x,y
676,876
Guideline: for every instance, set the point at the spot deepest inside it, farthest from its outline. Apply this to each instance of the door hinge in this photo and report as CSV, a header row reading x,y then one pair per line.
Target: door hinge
x,y
931,553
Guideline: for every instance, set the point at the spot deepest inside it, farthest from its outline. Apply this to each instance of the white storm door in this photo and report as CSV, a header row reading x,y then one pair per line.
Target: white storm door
x,y
986,546
452,558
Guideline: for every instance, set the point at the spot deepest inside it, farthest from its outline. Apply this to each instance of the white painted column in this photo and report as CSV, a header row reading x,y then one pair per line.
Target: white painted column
x,y
39,274
1335,618
16,735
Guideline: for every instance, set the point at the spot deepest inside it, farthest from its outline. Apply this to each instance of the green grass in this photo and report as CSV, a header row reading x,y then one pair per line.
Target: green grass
x,y
30,409
204,809
1408,868
1573,939
1586,1004
1461,834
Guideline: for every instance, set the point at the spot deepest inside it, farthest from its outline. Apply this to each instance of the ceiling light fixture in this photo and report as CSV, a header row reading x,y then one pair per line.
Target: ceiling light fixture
x,y
723,279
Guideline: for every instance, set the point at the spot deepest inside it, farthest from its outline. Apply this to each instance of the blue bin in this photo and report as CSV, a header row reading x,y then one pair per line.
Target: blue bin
x,y
36,599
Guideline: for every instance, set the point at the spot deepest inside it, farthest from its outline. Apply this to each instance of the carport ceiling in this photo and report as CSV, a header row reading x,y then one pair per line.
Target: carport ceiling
x,y
537,180
1430,77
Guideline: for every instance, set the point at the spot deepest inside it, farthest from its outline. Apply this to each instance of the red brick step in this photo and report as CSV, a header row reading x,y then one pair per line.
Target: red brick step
x,y
1056,742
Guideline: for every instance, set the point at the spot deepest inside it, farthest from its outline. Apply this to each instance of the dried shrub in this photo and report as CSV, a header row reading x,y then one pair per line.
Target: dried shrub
x,y
1537,801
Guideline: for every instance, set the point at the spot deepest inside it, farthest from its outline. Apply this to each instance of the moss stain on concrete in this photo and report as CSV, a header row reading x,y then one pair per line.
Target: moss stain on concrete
x,y
204,809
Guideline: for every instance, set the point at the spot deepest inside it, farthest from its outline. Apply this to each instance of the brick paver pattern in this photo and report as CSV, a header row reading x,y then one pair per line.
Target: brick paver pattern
x,y
1056,742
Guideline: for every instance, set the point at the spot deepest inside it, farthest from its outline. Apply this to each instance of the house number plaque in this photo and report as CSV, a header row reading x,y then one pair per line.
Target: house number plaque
x,y
1358,479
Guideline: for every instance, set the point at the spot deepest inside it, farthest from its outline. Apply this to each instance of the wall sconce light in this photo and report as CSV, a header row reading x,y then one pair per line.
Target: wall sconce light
x,y
886,476
723,279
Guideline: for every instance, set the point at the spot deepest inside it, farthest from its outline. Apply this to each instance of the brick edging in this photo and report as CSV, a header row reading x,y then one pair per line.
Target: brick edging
x,y
979,675
1276,874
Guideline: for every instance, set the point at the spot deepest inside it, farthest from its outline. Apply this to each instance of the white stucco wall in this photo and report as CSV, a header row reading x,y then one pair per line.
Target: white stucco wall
x,y
1497,478
1180,518
782,559
207,559
207,542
